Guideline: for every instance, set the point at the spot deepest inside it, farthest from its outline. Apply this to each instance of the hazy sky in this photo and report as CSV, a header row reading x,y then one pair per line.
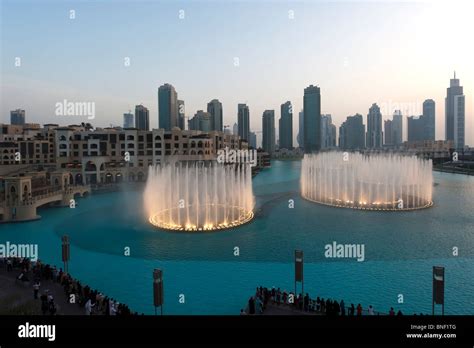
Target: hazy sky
x,y
396,54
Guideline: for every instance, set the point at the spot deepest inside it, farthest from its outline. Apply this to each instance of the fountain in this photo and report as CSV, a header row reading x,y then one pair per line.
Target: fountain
x,y
387,182
199,196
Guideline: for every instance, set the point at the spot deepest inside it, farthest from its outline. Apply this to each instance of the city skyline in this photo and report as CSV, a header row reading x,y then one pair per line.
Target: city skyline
x,y
334,60
380,131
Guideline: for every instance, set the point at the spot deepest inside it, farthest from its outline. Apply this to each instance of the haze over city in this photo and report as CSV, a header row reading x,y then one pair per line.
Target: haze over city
x,y
401,55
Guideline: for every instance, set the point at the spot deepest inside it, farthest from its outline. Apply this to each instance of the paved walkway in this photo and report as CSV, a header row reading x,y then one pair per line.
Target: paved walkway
x,y
16,297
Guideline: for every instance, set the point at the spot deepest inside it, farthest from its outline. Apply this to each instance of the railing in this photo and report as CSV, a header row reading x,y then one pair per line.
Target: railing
x,y
46,193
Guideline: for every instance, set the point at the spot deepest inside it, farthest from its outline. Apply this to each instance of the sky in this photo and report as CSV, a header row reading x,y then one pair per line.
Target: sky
x,y
393,53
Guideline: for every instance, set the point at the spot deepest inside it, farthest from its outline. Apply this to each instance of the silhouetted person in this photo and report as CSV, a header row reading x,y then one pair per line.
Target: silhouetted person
x,y
51,307
306,302
336,307
342,307
328,307
371,310
36,288
251,305
9,265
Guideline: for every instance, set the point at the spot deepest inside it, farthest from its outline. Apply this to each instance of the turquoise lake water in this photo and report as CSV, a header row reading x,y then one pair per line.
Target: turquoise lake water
x,y
400,249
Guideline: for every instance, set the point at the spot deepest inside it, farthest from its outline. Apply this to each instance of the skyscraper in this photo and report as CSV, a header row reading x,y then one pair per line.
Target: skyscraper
x,y
387,132
17,117
374,128
181,117
243,120
128,120
253,140
268,131
214,107
416,128
397,128
393,130
455,113
142,120
312,119
167,107
300,136
235,129
328,132
201,121
423,127
352,133
285,126
429,114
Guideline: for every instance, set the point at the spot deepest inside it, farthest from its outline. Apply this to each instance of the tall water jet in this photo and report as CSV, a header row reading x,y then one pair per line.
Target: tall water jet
x,y
367,181
199,196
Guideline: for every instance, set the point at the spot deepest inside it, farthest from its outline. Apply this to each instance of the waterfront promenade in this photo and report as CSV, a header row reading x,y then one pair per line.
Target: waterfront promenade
x,y
55,291
16,297
277,302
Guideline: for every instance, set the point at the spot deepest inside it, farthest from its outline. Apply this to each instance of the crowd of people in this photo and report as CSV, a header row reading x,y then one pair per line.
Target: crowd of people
x,y
258,303
92,301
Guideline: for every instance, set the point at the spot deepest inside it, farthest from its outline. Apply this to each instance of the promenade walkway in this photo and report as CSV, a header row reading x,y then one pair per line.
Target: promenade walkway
x,y
16,297
273,301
